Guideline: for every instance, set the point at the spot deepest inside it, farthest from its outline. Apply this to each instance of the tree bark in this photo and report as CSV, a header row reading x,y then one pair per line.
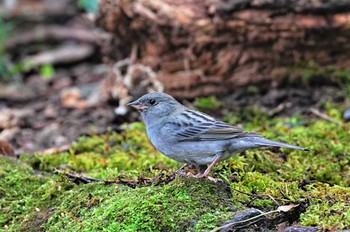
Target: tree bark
x,y
201,47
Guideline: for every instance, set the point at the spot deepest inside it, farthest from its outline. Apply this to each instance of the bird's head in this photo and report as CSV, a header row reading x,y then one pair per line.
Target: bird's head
x,y
155,106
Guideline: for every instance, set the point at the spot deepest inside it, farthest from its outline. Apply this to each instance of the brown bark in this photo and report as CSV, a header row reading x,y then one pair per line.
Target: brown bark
x,y
200,47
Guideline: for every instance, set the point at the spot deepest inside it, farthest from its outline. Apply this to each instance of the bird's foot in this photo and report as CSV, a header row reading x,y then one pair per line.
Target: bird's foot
x,y
178,171
200,175
203,175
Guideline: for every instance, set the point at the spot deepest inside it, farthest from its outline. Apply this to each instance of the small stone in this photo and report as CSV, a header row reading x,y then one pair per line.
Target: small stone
x,y
246,214
241,216
346,115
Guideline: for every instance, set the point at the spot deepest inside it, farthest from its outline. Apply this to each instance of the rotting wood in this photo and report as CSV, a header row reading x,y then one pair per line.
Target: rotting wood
x,y
206,47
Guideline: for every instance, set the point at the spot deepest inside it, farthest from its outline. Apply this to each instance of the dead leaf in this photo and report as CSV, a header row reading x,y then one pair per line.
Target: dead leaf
x,y
7,149
286,208
71,98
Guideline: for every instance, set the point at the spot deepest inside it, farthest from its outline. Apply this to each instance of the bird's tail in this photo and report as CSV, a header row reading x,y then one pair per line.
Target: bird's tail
x,y
259,141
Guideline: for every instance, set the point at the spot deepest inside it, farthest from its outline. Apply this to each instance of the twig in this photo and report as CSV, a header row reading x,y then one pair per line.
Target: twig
x,y
79,178
131,183
55,33
271,197
325,116
262,196
62,54
54,150
72,216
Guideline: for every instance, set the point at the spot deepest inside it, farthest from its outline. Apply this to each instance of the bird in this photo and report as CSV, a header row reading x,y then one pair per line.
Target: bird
x,y
193,137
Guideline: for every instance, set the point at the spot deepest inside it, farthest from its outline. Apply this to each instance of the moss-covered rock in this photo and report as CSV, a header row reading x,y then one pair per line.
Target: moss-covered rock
x,y
31,201
182,204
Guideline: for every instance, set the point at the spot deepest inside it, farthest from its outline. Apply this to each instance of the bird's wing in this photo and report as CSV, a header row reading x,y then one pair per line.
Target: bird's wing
x,y
196,126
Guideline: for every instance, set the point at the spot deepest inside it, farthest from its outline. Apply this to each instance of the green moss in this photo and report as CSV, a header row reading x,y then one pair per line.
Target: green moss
x,y
184,203
326,162
23,192
267,189
329,206
282,173
258,178
207,103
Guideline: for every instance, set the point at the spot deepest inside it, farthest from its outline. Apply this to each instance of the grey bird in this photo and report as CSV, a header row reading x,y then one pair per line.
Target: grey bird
x,y
193,137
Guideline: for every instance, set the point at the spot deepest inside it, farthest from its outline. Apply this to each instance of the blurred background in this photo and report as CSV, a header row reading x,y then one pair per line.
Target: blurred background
x,y
69,67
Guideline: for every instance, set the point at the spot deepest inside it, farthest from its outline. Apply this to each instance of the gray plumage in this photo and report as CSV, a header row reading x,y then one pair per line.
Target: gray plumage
x,y
191,136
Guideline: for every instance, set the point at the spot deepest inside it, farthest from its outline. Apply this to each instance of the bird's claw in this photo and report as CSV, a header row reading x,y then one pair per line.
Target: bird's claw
x,y
198,176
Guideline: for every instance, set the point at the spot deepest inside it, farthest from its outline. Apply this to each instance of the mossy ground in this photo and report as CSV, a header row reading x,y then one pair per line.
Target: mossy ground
x,y
33,198
32,202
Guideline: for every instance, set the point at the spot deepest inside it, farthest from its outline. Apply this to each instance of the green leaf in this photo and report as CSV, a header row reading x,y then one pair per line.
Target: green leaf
x,y
46,71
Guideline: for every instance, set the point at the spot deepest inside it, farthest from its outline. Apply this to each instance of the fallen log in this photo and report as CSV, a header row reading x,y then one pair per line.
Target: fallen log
x,y
201,47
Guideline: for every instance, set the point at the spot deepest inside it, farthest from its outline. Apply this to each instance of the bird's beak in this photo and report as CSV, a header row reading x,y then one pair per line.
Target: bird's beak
x,y
137,105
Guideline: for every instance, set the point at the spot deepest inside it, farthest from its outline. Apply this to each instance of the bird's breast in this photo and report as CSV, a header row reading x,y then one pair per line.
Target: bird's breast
x,y
160,137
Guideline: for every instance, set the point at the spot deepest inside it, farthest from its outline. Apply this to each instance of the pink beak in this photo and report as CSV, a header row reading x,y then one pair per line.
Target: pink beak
x,y
137,105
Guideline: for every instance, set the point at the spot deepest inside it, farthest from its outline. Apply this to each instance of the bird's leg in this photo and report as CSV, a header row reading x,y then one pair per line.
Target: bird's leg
x,y
206,172
178,171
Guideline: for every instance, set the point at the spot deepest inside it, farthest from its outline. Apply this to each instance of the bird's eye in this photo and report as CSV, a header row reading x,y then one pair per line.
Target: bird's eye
x,y
152,102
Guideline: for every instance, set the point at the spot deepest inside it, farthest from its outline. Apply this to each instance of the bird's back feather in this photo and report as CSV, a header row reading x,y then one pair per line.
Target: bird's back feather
x,y
196,126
